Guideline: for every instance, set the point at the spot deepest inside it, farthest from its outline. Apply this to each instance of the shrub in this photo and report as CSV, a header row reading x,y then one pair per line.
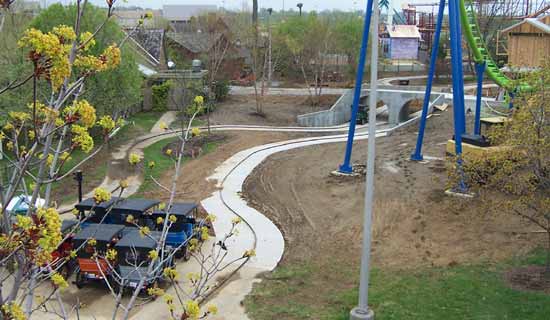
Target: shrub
x,y
221,90
160,95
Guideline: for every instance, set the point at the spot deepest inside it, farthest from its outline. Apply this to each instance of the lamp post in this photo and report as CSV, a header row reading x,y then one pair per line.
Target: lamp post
x,y
270,50
362,311
300,5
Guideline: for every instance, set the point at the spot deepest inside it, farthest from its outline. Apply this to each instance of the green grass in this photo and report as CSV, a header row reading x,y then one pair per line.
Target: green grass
x,y
464,292
163,163
138,124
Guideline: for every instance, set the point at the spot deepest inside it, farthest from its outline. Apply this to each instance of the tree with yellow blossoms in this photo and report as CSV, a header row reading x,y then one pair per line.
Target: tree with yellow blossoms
x,y
38,145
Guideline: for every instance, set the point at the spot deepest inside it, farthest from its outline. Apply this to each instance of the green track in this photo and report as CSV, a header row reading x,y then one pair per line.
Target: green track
x,y
476,42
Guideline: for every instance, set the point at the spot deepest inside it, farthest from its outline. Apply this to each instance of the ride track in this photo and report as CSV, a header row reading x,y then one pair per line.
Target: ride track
x,y
260,234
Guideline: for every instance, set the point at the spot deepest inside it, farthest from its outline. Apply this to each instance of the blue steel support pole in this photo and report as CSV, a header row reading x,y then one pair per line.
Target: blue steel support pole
x,y
346,167
458,98
460,68
417,155
480,69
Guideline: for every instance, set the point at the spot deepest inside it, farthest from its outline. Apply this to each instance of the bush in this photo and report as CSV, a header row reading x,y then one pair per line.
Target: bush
x,y
221,90
160,96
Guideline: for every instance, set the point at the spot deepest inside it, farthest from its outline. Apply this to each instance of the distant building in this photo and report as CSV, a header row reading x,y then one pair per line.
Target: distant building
x,y
528,42
130,18
401,42
180,16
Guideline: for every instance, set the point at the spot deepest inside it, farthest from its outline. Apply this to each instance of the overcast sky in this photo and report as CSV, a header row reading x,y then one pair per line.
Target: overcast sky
x,y
275,4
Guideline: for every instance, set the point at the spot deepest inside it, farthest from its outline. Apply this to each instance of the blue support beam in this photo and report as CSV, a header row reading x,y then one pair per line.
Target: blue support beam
x,y
480,70
458,87
417,155
346,166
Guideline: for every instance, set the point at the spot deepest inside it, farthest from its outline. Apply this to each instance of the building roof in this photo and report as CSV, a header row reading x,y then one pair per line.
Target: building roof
x,y
403,31
150,41
196,42
185,12
535,22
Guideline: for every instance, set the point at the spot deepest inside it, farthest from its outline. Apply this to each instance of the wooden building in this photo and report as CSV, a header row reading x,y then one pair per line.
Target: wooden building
x,y
401,42
528,42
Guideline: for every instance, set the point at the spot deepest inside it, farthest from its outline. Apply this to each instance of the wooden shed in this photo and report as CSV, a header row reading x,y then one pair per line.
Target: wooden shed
x,y
528,42
403,42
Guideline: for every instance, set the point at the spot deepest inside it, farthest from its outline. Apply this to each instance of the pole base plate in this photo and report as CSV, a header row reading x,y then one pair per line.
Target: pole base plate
x,y
361,314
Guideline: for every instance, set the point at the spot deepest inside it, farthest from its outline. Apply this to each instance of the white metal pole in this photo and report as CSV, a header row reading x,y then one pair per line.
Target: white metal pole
x,y
362,312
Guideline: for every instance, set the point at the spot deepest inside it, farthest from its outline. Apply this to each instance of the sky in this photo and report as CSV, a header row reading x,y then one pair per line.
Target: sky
x,y
344,5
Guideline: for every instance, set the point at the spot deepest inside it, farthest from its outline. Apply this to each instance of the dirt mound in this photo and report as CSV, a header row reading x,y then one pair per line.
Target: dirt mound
x,y
530,278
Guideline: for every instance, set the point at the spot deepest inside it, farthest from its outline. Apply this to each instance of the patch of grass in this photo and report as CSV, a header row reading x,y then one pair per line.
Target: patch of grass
x,y
464,292
138,124
163,162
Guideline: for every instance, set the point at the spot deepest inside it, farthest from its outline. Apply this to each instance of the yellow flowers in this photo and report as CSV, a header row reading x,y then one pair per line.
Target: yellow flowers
x,y
148,15
83,111
143,231
151,164
211,218
19,117
193,243
155,291
204,233
82,139
160,220
111,254
163,126
92,242
170,273
75,212
169,301
13,311
87,40
101,195
212,309
168,152
66,34
249,253
123,184
54,46
236,220
50,229
193,277
31,135
24,222
59,281
134,159
195,132
172,218
130,219
162,206
199,100
111,56
153,255
107,123
192,309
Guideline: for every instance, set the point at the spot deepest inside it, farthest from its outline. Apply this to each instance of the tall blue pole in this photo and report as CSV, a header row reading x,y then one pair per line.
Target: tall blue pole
x,y
480,69
458,95
460,67
417,155
346,167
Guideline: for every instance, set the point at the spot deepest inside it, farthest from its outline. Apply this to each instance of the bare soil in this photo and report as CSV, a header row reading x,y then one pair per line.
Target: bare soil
x,y
530,278
277,110
192,184
415,224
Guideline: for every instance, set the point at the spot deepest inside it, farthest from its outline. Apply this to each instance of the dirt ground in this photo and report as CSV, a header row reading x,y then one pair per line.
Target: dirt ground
x,y
192,184
415,224
278,110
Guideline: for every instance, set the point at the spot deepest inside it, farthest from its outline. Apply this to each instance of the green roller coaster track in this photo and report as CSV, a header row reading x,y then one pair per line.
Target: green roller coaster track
x,y
476,42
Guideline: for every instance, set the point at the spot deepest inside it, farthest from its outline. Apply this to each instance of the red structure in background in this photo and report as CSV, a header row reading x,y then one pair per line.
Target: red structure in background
x,y
424,20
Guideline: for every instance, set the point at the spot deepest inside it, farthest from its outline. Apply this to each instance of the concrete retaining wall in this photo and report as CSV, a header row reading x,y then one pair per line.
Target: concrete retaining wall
x,y
340,112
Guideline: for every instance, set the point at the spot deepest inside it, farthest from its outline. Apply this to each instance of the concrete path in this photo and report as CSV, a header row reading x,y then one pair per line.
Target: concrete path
x,y
247,91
